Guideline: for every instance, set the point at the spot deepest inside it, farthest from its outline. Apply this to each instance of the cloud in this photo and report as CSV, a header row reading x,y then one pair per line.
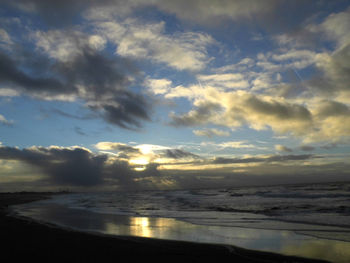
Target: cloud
x,y
332,120
178,154
55,13
12,75
79,131
158,86
117,147
72,166
330,108
199,11
65,45
307,148
211,132
286,59
278,110
146,153
73,116
236,144
78,72
207,12
5,121
200,115
334,72
332,64
139,40
79,167
272,158
282,148
335,26
225,81
5,40
235,109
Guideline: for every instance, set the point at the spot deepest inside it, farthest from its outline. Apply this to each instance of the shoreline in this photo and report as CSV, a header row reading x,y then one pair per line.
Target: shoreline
x,y
46,242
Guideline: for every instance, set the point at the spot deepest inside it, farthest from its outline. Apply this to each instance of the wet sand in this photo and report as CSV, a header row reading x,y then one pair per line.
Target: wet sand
x,y
28,240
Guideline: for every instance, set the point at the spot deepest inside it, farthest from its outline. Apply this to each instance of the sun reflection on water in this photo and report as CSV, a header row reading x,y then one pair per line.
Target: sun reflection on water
x,y
140,226
143,227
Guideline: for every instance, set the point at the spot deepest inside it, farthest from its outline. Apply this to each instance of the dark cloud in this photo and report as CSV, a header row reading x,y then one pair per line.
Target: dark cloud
x,y
274,158
179,154
200,115
65,166
121,147
210,12
291,157
79,131
70,115
79,167
332,108
282,148
54,12
307,148
278,110
224,160
127,110
329,146
125,175
334,72
102,82
11,74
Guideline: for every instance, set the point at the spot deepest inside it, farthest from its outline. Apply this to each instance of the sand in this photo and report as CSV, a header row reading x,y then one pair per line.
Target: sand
x,y
25,239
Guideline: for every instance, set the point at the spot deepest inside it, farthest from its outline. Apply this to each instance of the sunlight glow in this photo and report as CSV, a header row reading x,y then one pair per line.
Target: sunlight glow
x,y
139,161
140,169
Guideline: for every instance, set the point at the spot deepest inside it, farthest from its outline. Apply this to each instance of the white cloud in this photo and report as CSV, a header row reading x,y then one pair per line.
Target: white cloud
x,y
5,39
5,121
284,59
158,86
243,65
226,81
208,11
336,26
297,59
6,92
211,132
109,145
282,148
97,42
236,144
65,45
180,50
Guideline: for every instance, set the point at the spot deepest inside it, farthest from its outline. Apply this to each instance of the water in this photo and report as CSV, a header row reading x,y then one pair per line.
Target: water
x,y
295,219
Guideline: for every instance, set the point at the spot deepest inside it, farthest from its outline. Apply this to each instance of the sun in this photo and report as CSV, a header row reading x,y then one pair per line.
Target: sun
x,y
145,148
140,163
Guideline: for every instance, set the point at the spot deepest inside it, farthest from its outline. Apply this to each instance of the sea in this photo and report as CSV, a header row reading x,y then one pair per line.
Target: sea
x,y
309,220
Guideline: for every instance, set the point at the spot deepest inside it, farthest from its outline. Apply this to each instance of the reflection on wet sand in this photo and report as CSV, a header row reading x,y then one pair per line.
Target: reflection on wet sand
x,y
332,251
163,228
285,242
280,241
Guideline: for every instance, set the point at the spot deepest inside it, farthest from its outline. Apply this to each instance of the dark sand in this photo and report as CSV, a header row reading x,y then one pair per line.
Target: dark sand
x,y
26,240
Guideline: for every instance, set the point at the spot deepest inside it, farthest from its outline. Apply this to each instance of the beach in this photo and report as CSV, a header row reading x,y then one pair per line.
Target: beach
x,y
25,238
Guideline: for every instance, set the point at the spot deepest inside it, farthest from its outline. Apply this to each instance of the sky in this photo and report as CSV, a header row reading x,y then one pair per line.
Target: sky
x,y
160,94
